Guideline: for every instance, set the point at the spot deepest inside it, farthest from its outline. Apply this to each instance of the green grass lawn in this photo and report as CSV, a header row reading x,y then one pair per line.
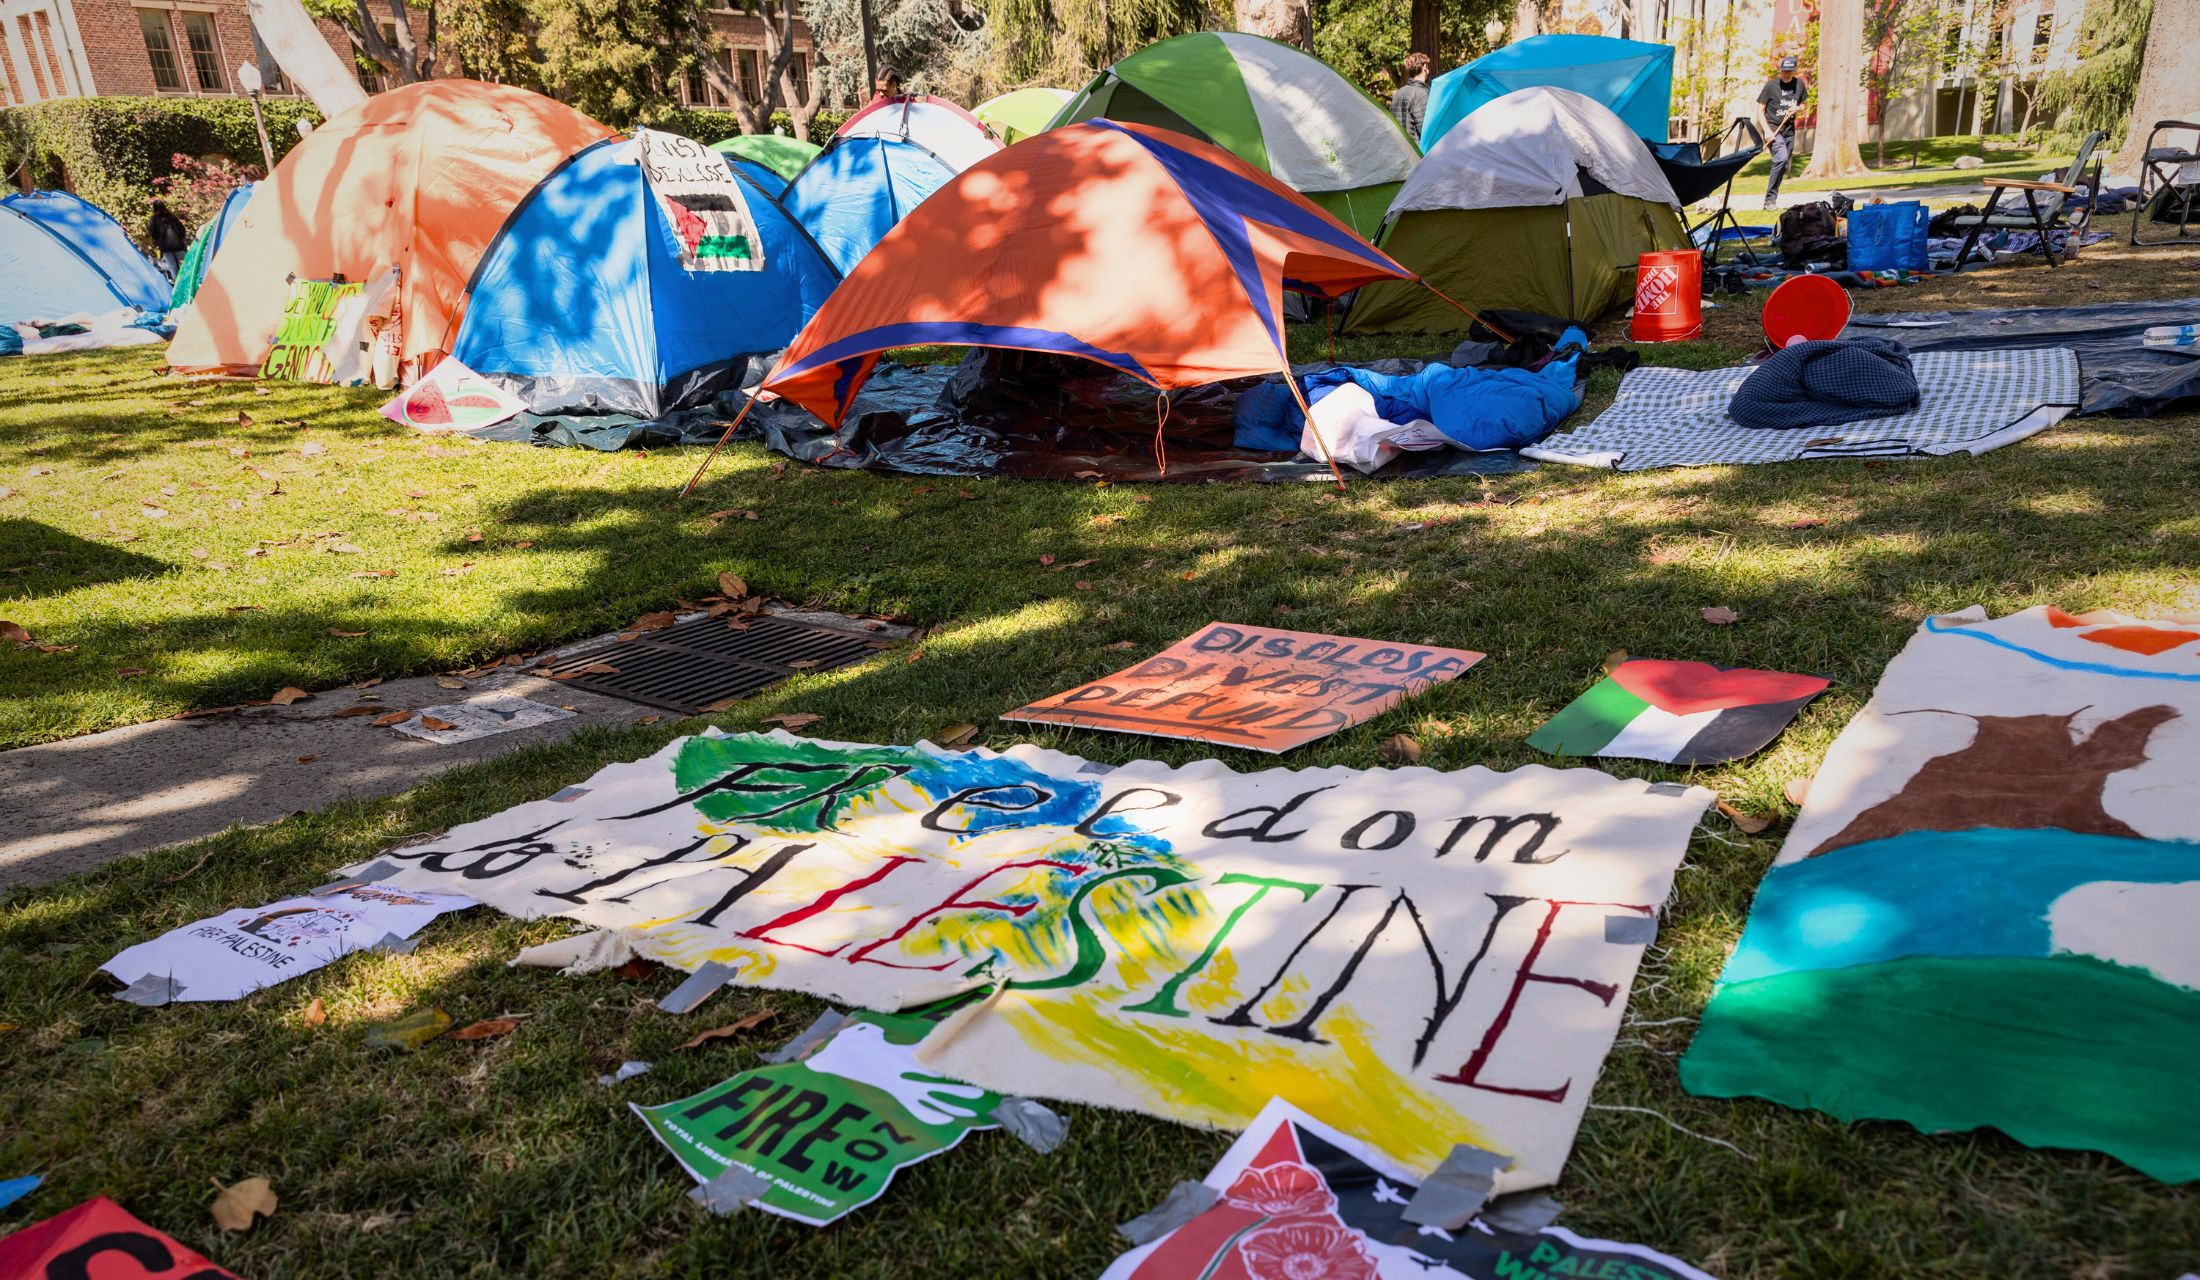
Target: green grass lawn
x,y
1915,162
504,1157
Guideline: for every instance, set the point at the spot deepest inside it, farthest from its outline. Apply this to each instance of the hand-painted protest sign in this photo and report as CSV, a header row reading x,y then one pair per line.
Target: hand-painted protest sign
x,y
238,952
702,202
830,1130
309,321
1984,913
1296,1198
1684,713
452,397
98,1238
1449,952
1253,687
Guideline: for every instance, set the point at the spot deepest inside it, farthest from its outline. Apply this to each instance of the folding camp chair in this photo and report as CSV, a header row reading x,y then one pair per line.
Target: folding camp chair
x,y
1694,178
2044,216
2169,183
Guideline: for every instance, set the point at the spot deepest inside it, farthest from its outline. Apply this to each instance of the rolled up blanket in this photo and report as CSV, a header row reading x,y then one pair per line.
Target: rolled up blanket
x,y
1820,384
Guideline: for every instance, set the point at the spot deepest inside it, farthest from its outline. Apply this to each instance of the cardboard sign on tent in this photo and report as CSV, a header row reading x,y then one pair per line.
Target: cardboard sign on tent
x,y
1541,201
1631,78
584,303
1278,109
780,154
419,178
61,256
1019,113
1984,914
937,125
1138,249
858,189
1434,957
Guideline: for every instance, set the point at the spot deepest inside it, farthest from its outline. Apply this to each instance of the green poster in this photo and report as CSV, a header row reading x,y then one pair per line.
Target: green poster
x,y
831,1129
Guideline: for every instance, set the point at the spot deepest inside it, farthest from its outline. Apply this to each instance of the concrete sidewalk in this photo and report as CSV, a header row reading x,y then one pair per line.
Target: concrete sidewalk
x,y
70,806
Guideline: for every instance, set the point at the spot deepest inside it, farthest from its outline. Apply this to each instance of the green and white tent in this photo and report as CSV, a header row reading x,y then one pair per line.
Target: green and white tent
x,y
1276,108
782,155
1019,113
1540,201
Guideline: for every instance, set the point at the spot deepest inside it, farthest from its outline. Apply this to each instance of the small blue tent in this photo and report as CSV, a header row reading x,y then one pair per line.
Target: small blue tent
x,y
60,256
857,188
581,302
1634,79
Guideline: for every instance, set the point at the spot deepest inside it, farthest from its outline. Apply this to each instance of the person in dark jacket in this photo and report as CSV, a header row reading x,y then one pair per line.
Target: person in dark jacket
x,y
1410,102
170,239
1778,103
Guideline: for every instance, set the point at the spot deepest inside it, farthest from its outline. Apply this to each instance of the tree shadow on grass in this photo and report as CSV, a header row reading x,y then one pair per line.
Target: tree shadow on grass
x,y
37,559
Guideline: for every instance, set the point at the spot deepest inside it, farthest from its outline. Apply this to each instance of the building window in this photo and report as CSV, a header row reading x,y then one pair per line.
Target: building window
x,y
160,50
748,65
372,77
271,74
2043,35
799,68
698,89
206,52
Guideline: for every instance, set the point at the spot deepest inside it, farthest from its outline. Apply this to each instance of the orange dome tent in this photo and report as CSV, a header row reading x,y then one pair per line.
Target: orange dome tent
x,y
420,178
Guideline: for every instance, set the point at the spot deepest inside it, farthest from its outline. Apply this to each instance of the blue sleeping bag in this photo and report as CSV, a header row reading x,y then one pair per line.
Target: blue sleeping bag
x,y
1474,408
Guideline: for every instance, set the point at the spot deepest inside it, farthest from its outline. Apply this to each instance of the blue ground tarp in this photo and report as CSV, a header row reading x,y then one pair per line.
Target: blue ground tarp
x,y
1632,78
581,303
60,256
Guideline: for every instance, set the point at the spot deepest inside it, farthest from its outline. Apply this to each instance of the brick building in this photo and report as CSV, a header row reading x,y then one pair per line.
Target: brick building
x,y
192,48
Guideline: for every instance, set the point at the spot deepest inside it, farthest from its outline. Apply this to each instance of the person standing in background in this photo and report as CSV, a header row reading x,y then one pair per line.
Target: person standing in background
x,y
170,239
1778,103
1410,102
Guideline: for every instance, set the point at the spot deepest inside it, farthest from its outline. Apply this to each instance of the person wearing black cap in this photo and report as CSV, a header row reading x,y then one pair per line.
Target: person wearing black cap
x,y
1778,103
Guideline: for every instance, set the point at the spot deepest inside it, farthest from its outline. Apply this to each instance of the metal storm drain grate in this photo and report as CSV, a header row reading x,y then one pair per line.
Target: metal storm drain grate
x,y
701,663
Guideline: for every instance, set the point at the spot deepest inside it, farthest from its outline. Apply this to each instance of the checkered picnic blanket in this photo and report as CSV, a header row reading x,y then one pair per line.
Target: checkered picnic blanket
x,y
1969,402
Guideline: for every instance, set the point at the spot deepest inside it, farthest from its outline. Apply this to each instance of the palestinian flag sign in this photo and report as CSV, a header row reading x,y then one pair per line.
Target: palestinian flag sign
x,y
1677,712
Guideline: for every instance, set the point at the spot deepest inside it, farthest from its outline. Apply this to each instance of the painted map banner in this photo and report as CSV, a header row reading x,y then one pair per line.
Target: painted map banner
x,y
1437,957
1685,713
1253,687
1299,1199
831,1129
1984,914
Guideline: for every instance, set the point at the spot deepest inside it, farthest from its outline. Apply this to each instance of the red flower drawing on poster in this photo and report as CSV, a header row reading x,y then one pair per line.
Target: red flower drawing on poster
x,y
1306,1251
1287,1190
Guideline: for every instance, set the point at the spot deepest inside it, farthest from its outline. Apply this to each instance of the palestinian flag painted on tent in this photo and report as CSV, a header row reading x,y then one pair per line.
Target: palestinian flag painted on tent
x,y
1677,712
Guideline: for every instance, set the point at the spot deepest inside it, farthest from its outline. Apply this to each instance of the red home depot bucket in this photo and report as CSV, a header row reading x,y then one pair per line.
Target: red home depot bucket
x,y
1668,296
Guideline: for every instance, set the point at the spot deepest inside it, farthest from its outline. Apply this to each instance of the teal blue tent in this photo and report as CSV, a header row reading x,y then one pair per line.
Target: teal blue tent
x,y
1632,78
60,256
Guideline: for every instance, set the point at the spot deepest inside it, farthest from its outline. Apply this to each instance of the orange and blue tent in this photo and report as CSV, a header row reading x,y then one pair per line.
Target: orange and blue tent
x,y
1139,249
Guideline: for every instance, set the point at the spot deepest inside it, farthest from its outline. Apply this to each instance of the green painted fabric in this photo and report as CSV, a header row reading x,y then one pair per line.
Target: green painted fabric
x,y
1196,78
782,155
1589,721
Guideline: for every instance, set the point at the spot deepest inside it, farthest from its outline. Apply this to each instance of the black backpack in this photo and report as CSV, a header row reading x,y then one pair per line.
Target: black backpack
x,y
1809,234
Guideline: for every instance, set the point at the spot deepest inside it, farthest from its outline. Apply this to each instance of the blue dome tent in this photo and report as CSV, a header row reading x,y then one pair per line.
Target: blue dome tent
x,y
858,188
582,304
60,256
1633,79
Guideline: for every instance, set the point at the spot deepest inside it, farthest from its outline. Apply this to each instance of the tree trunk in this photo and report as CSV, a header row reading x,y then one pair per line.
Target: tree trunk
x,y
1833,152
397,56
1428,28
1527,20
2169,79
1290,21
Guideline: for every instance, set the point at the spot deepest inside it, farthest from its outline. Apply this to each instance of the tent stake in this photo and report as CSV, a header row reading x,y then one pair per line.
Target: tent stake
x,y
708,458
1308,410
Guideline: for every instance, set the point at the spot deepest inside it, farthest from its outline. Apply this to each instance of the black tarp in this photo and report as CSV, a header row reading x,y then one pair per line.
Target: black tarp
x,y
2117,375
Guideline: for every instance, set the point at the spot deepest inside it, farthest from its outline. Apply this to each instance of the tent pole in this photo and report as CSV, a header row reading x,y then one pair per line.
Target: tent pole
x,y
708,458
1308,410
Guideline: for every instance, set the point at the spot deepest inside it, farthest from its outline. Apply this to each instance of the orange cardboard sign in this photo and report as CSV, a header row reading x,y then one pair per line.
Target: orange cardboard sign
x,y
1253,687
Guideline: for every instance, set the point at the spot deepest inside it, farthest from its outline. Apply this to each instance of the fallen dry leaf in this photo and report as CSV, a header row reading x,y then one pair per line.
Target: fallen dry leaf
x,y
200,553
731,586
592,669
375,573
1082,586
315,1014
39,471
345,635
435,723
1719,615
653,622
244,608
485,1029
957,735
312,449
733,513
367,683
394,717
648,719
636,969
446,682
1797,790
803,664
240,1204
14,631
307,759
1748,824
343,548
1046,559
289,694
1400,748
1808,522
1613,659
794,720
127,672
363,709
1118,646
734,1028
473,537
151,513
521,546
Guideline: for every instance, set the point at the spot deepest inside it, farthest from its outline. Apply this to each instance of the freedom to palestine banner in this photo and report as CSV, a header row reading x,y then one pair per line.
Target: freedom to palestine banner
x,y
1678,712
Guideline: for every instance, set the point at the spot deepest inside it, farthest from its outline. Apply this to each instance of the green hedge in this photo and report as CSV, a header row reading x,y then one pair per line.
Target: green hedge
x,y
109,150
706,124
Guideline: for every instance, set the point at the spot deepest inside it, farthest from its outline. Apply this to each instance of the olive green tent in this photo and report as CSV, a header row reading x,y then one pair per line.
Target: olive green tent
x,y
1541,201
1280,110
